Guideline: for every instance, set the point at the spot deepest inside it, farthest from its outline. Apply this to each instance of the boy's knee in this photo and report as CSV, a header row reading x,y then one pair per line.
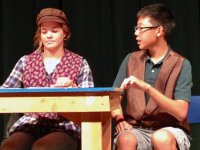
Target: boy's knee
x,y
126,140
163,138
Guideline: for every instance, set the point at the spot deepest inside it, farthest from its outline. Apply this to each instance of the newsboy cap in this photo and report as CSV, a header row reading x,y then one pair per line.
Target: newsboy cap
x,y
52,14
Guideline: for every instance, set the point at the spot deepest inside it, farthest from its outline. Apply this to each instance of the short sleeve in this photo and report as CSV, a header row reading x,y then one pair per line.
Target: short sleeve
x,y
184,83
122,73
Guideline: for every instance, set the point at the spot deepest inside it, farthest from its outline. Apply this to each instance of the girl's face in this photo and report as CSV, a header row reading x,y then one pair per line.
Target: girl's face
x,y
52,35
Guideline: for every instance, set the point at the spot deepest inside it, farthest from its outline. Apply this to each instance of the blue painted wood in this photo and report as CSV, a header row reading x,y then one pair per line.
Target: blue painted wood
x,y
194,110
50,90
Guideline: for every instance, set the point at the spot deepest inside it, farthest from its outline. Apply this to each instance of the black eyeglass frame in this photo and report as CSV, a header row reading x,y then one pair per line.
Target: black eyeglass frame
x,y
141,28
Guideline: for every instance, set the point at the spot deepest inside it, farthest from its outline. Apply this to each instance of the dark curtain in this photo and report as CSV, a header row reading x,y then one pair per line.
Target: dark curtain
x,y
102,32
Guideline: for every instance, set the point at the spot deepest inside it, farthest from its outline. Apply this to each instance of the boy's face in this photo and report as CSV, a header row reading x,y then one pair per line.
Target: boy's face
x,y
146,32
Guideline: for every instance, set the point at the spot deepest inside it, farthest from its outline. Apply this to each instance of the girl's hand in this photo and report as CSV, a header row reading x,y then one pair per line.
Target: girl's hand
x,y
64,82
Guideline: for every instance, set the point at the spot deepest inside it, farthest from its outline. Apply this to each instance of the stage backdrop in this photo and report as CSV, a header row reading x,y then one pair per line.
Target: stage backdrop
x,y
102,32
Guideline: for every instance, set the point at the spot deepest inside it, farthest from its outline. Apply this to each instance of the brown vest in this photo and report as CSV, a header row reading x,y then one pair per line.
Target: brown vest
x,y
151,115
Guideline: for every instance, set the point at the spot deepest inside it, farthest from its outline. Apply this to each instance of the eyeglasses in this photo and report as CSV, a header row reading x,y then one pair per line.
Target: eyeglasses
x,y
143,28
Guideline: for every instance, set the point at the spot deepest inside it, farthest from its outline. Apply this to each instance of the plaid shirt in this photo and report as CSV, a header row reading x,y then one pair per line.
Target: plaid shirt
x,y
15,79
56,122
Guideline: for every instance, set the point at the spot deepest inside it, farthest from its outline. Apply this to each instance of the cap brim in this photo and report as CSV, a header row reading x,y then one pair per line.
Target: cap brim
x,y
51,19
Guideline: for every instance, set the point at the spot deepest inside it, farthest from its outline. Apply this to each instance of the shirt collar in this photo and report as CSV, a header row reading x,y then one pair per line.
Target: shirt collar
x,y
148,59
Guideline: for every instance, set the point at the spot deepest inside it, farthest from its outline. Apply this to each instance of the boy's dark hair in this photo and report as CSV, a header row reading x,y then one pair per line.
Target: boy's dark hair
x,y
162,14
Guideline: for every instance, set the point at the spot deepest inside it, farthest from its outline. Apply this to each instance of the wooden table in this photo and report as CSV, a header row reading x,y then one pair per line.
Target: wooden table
x,y
89,107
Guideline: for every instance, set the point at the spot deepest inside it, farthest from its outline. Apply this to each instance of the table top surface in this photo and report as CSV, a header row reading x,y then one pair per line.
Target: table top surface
x,y
59,90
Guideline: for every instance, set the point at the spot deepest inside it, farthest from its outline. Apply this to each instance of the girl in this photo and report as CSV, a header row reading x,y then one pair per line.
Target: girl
x,y
50,65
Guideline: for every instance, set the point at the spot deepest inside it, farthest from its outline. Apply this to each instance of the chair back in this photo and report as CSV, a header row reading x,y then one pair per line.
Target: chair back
x,y
194,110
